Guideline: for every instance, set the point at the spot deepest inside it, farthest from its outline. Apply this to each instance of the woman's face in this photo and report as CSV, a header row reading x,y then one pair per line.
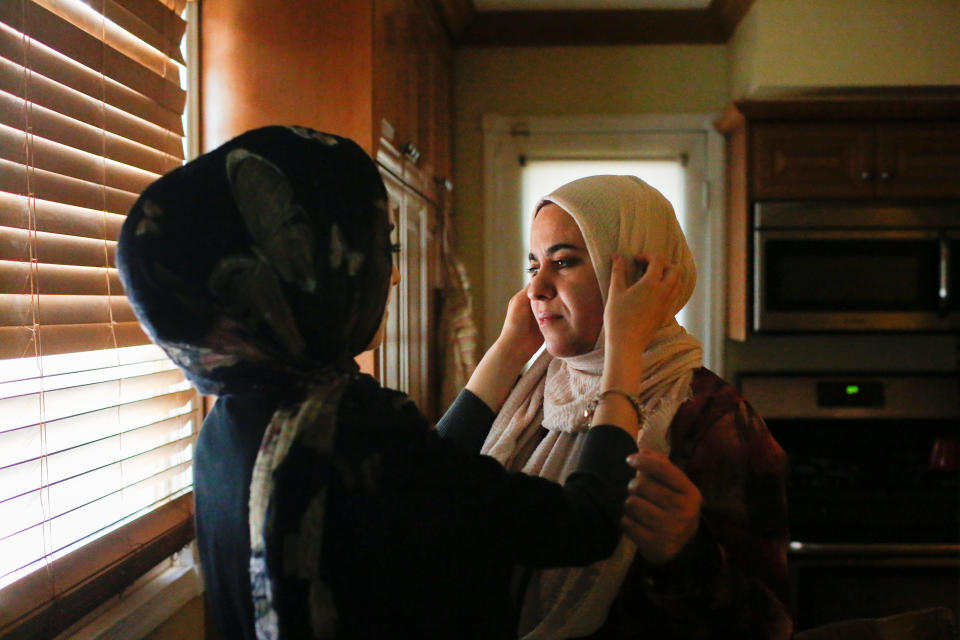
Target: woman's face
x,y
394,281
564,292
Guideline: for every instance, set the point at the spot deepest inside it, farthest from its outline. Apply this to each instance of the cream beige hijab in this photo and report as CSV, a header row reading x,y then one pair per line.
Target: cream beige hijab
x,y
616,214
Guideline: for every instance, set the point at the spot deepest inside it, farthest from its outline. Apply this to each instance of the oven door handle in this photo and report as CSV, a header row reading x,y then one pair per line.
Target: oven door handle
x,y
944,293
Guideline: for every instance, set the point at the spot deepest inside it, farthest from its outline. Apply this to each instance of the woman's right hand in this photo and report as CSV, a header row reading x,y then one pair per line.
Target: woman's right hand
x,y
500,366
520,333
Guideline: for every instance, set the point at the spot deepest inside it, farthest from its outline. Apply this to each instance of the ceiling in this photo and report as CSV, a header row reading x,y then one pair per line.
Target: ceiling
x,y
592,22
554,5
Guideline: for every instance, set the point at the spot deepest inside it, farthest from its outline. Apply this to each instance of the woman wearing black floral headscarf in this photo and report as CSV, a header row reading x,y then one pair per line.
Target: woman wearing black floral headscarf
x,y
326,505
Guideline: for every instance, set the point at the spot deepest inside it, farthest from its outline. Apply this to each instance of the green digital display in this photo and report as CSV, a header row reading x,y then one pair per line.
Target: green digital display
x,y
853,389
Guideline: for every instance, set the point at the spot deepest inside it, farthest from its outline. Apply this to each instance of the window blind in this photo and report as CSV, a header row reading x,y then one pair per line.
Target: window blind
x,y
96,425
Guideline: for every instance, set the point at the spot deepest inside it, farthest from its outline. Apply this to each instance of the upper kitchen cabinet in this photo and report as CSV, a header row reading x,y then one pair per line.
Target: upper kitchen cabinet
x,y
830,152
851,160
412,73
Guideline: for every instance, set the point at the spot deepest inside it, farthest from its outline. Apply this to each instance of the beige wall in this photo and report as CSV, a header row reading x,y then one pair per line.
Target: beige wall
x,y
802,43
566,81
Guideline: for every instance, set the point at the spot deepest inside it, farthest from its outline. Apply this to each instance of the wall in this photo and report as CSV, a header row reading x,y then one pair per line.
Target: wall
x,y
800,43
566,81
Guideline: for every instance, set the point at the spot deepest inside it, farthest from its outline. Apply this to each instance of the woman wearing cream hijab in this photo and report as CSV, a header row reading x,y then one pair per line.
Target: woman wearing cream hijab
x,y
704,550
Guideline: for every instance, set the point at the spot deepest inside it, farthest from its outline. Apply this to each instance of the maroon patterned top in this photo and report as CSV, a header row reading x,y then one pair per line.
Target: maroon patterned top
x,y
731,579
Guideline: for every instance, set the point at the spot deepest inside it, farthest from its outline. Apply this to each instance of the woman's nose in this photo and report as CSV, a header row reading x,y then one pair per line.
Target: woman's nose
x,y
395,275
540,288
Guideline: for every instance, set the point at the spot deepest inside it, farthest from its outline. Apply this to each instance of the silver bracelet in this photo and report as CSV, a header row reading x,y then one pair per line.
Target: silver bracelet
x,y
634,400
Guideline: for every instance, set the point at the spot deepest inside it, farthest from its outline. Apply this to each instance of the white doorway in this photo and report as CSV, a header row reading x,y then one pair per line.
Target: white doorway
x,y
526,158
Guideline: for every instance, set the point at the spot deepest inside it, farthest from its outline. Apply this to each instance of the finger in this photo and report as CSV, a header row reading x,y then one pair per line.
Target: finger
x,y
617,273
661,496
643,513
638,533
658,467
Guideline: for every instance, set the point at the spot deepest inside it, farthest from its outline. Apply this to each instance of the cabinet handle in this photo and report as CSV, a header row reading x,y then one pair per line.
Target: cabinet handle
x,y
866,175
411,151
443,183
885,175
945,257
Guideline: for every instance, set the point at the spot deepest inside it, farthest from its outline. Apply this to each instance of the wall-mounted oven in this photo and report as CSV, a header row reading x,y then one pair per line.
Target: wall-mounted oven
x,y
853,267
874,489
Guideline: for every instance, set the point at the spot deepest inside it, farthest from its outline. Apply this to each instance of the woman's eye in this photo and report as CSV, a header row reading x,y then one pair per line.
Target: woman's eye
x,y
532,270
395,247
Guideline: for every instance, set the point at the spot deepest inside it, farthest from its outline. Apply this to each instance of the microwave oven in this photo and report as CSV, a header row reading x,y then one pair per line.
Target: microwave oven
x,y
839,267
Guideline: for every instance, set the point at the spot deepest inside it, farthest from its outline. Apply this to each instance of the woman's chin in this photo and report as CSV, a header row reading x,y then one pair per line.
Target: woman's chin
x,y
562,349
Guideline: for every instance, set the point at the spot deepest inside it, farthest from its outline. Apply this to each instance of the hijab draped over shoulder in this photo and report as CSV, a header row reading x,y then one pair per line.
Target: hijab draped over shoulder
x,y
265,265
616,215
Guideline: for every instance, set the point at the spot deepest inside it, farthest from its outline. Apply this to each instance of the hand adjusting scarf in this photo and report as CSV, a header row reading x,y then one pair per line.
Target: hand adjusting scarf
x,y
265,265
616,215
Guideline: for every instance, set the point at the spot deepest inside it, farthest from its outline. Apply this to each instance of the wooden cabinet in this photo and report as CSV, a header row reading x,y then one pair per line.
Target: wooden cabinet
x,y
884,148
412,71
378,72
801,160
404,358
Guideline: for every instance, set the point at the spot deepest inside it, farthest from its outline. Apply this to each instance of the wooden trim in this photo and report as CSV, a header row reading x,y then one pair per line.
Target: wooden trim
x,y
48,601
728,14
713,25
455,16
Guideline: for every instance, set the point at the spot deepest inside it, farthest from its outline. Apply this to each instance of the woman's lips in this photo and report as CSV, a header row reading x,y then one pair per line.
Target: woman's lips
x,y
546,318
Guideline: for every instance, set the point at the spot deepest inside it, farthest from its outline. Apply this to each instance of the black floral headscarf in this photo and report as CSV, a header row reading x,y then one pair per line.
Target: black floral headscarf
x,y
263,260
265,264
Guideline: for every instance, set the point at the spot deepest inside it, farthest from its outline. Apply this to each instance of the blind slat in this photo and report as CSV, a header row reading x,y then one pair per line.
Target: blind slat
x,y
55,248
58,218
19,342
161,17
18,310
164,34
45,185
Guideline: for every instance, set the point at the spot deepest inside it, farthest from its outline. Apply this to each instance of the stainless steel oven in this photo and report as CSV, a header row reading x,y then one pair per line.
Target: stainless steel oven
x,y
874,489
851,267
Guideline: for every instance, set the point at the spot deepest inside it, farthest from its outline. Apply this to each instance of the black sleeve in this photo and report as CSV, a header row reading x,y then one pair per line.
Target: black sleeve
x,y
466,422
526,519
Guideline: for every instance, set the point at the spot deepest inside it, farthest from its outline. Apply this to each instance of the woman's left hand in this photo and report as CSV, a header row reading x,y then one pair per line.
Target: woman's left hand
x,y
662,511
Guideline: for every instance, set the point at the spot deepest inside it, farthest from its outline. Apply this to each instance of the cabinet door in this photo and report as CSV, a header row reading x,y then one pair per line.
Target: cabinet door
x,y
415,301
404,356
807,160
393,68
391,357
919,160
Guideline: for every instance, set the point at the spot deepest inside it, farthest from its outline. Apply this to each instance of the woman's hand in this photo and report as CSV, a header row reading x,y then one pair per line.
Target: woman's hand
x,y
500,366
635,310
662,511
632,316
520,333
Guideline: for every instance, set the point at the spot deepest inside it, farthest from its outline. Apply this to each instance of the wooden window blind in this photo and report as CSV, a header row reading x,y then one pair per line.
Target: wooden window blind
x,y
97,427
